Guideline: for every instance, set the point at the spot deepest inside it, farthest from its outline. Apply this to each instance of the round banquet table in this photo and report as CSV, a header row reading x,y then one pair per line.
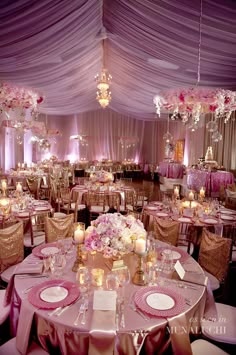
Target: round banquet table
x,y
212,181
58,334
171,170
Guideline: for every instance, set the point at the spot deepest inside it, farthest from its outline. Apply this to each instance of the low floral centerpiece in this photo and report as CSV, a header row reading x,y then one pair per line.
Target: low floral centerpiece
x,y
113,234
101,176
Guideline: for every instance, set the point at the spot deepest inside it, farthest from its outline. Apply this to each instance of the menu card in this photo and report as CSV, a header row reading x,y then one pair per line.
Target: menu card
x,y
197,278
104,300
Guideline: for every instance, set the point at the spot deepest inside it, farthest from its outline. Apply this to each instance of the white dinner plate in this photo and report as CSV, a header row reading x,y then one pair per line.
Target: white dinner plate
x,y
227,212
162,214
184,219
227,218
151,208
49,250
43,208
160,301
210,221
54,294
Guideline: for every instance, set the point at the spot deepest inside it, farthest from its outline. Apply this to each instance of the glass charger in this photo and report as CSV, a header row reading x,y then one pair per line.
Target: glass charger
x,y
53,293
159,301
45,249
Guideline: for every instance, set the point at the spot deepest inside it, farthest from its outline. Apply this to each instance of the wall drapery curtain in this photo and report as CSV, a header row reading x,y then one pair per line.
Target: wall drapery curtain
x,y
104,128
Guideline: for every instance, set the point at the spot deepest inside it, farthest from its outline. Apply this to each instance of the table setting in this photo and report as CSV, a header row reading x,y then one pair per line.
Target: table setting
x,y
70,301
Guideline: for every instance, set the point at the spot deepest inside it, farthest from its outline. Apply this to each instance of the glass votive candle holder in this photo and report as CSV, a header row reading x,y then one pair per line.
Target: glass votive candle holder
x,y
97,276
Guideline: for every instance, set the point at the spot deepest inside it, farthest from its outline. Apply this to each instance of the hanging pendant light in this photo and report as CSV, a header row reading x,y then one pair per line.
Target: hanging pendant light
x,y
103,84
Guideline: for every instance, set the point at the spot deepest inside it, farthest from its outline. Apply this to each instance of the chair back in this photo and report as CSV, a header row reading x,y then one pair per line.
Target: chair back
x,y
165,230
11,245
214,254
33,184
114,201
58,228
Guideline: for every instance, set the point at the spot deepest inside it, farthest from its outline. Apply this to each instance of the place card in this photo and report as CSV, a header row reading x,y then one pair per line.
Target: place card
x,y
197,278
179,269
104,300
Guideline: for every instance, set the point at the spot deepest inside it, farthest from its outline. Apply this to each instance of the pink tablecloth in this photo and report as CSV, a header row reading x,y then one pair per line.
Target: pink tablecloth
x,y
59,333
171,170
210,180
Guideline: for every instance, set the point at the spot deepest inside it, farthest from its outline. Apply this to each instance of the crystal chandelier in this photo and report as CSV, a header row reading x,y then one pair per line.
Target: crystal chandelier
x,y
103,85
190,104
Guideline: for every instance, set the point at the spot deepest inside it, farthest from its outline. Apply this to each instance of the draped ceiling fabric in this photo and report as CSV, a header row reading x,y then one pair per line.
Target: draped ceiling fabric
x,y
55,47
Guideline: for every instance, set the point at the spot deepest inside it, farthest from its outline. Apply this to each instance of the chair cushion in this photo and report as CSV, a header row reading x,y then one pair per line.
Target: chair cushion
x,y
7,274
222,329
4,310
81,207
9,348
201,347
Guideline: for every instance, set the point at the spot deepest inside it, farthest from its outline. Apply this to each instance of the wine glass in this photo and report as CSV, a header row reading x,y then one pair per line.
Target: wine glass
x,y
57,264
124,279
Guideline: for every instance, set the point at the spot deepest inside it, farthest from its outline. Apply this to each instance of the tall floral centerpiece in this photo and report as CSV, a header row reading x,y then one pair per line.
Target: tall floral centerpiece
x,y
113,234
101,176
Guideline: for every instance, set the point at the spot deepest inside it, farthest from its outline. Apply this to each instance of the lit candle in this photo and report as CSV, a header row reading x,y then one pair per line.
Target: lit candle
x,y
140,246
176,191
191,196
18,165
4,185
79,236
22,165
97,277
18,187
202,192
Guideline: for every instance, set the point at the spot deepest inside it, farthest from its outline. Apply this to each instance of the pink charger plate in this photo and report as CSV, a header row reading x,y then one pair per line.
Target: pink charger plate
x,y
37,250
183,255
141,298
69,288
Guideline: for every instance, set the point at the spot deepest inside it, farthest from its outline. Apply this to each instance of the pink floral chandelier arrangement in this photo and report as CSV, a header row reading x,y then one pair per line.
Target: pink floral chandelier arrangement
x,y
18,98
190,104
193,102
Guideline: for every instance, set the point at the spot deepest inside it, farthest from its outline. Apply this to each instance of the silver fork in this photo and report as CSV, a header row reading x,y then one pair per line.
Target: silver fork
x,y
83,320
135,309
81,310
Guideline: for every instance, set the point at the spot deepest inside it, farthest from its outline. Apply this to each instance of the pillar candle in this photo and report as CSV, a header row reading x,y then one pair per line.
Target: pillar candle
x,y
79,236
176,191
140,246
19,187
191,196
202,192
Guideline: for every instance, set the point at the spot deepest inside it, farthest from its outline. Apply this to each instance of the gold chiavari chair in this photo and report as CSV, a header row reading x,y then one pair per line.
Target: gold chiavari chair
x,y
58,228
214,257
33,184
166,230
11,249
36,234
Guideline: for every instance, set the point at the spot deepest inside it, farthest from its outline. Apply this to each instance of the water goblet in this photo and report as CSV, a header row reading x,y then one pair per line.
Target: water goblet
x,y
83,279
58,263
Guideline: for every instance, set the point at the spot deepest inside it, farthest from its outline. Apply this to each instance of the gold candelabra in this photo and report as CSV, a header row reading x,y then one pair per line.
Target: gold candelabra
x,y
79,260
139,277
